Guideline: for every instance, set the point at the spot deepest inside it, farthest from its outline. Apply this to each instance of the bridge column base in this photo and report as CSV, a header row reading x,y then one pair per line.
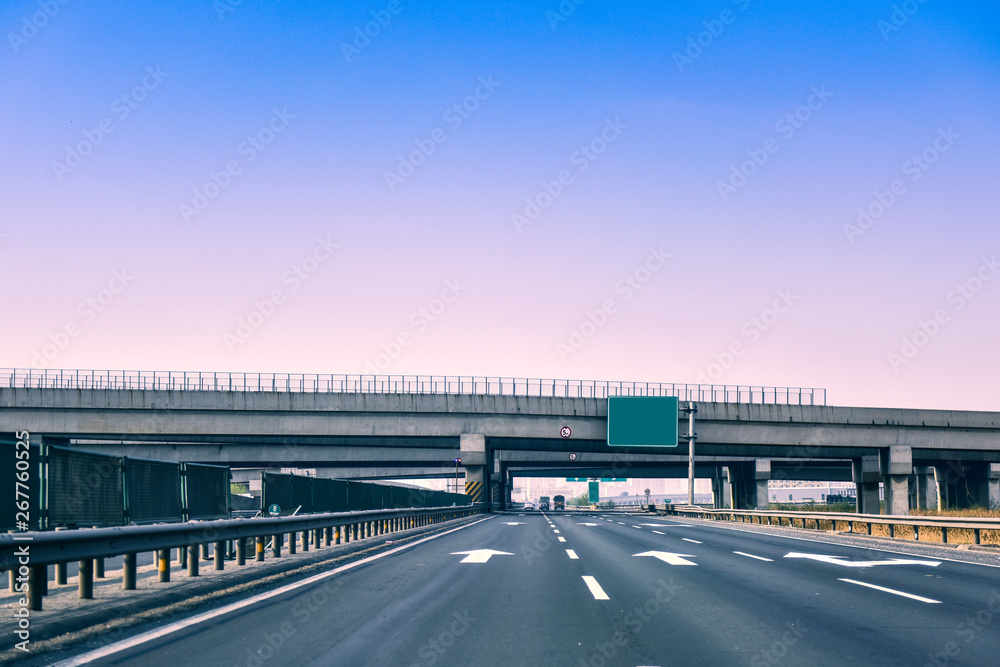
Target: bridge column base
x,y
474,460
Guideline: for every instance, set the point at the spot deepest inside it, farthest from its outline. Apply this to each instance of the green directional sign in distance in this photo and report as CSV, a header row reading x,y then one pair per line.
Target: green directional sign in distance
x,y
576,479
642,421
594,492
614,479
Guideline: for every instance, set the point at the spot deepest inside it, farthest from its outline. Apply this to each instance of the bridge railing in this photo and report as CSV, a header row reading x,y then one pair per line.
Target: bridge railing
x,y
400,384
942,529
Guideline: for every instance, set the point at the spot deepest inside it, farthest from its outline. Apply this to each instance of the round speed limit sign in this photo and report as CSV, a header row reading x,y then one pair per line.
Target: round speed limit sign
x,y
565,431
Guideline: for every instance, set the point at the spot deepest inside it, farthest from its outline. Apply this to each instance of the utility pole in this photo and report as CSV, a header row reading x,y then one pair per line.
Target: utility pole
x,y
457,461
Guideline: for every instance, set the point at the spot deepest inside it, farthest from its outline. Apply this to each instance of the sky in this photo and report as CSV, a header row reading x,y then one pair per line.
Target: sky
x,y
728,192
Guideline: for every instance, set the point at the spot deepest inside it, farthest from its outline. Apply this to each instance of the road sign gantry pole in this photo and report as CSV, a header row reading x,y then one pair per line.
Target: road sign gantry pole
x,y
691,436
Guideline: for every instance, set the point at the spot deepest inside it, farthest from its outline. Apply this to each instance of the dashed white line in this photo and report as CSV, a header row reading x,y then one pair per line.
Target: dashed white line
x,y
562,539
692,541
572,554
595,588
769,560
658,532
637,527
890,590
621,522
555,531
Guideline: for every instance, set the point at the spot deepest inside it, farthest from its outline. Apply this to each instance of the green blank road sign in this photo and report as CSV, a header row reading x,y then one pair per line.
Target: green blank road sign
x,y
576,479
614,479
594,495
642,421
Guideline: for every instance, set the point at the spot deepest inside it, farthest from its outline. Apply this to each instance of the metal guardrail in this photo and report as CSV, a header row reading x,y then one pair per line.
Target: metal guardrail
x,y
944,523
28,554
400,384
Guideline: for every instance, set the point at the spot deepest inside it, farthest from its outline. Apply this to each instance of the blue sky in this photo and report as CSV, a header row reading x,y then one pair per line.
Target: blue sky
x,y
302,121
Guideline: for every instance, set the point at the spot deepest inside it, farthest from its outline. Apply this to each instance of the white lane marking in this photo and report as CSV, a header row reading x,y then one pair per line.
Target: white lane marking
x,y
839,560
111,649
621,522
666,557
588,524
691,541
555,531
572,554
658,532
890,590
479,555
515,523
562,539
595,588
769,560
637,527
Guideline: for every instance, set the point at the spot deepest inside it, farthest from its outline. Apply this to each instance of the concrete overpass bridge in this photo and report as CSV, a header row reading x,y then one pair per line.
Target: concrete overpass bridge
x,y
358,426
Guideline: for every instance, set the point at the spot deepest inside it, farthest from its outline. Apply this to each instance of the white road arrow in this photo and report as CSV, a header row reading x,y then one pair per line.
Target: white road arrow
x,y
588,524
479,555
673,559
837,560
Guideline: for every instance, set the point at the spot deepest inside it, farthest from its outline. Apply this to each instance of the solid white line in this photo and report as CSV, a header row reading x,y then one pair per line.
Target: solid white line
x,y
658,532
595,588
769,560
562,539
692,541
111,649
572,554
894,592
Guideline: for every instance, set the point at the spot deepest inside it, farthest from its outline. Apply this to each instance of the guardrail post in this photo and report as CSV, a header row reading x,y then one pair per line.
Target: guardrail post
x,y
99,568
192,560
944,534
327,536
276,541
293,544
182,557
204,551
220,556
241,551
164,565
128,572
61,574
37,577
85,579
305,541
260,549
336,535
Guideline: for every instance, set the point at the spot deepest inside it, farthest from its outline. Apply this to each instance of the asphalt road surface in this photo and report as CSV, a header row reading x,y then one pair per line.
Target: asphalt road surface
x,y
592,589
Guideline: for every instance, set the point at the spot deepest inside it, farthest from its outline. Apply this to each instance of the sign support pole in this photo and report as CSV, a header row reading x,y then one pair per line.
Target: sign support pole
x,y
691,436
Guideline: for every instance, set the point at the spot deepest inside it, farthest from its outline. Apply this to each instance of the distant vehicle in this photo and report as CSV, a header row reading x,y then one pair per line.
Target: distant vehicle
x,y
543,503
529,506
558,503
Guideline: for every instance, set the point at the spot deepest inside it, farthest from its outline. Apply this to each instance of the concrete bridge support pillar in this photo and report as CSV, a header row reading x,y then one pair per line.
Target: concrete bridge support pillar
x,y
475,462
762,475
750,486
924,489
722,494
896,466
866,479
969,484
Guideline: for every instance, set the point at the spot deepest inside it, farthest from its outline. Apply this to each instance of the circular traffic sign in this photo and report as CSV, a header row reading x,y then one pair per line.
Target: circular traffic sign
x,y
572,457
647,492
274,510
565,431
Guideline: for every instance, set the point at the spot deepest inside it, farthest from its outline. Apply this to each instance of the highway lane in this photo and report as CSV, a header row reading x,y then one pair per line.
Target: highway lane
x,y
577,594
